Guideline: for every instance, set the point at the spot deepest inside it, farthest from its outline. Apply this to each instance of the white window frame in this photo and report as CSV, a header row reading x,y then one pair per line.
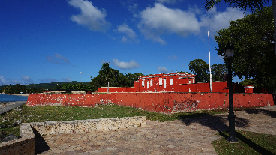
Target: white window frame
x,y
171,82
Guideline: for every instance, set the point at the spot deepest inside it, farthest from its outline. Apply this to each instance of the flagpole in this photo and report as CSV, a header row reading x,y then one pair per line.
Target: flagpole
x,y
210,66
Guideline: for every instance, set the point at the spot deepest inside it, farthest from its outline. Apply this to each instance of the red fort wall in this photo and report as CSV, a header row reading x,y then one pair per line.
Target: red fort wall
x,y
168,102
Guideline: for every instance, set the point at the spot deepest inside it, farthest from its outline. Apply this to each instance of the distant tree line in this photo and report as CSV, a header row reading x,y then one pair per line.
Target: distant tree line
x,y
17,89
76,87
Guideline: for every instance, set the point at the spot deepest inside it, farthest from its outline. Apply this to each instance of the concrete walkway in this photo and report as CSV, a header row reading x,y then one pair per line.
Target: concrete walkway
x,y
188,136
5,107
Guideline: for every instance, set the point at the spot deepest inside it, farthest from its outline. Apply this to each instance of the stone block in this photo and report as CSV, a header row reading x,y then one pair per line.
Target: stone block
x,y
67,126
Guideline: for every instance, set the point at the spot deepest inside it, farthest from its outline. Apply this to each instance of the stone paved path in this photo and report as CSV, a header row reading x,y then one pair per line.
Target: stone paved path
x,y
5,107
188,136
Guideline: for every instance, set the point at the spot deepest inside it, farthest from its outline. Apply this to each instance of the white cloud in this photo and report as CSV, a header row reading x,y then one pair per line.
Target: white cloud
x,y
14,82
124,29
166,1
48,80
124,39
151,35
126,65
172,57
3,81
58,56
57,59
215,21
105,62
195,9
163,70
27,79
90,16
159,19
66,79
133,9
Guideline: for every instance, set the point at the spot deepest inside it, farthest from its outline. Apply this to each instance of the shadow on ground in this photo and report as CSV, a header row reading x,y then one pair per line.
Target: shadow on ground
x,y
40,144
263,111
251,144
218,122
215,122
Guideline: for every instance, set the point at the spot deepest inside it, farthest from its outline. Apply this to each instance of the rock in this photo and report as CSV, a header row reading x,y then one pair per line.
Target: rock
x,y
16,123
9,138
2,126
3,134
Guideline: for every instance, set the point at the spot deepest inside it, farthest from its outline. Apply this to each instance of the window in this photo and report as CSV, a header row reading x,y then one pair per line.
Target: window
x,y
160,81
171,81
164,83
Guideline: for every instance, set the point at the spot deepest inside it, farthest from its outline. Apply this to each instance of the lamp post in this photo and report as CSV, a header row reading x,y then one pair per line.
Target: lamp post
x,y
228,55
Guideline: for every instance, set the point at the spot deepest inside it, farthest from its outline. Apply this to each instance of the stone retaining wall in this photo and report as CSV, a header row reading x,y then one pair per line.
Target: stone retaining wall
x,y
89,125
26,144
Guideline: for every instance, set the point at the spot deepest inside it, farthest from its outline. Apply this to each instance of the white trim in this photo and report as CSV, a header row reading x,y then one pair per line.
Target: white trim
x,y
249,87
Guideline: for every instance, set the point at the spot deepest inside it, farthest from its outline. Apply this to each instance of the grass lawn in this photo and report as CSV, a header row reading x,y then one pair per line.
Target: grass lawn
x,y
250,143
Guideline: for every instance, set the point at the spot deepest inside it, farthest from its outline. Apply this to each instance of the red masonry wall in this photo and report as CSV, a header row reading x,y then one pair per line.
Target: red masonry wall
x,y
220,87
117,89
177,86
156,102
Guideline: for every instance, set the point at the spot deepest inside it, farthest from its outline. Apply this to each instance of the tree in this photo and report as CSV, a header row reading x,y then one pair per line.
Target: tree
x,y
115,78
248,82
254,47
200,68
132,77
254,5
218,71
15,89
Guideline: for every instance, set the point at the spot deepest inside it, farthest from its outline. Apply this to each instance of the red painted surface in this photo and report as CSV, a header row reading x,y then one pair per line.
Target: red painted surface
x,y
156,102
157,83
117,89
220,87
178,82
163,82
249,88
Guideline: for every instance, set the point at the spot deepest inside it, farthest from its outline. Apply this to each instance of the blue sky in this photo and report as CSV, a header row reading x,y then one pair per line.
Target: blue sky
x,y
54,40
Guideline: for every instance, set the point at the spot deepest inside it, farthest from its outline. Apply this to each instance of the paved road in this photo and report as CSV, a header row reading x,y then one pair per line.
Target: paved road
x,y
10,105
188,136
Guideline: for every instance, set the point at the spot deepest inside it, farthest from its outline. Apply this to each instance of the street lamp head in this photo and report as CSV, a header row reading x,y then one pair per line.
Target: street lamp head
x,y
229,51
